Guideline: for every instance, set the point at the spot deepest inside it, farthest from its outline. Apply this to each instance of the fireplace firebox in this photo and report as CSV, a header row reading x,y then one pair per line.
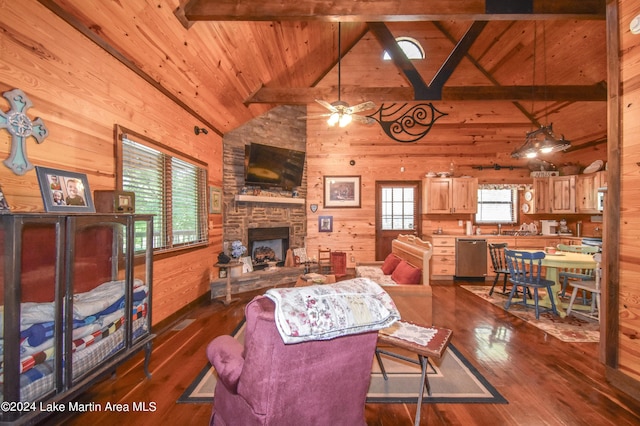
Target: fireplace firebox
x,y
268,245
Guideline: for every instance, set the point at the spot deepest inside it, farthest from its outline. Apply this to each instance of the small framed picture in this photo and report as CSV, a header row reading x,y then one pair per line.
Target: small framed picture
x,y
325,223
341,191
222,273
247,264
215,200
64,191
4,205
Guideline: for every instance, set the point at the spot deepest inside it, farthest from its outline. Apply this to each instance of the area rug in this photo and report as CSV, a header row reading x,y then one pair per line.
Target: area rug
x,y
452,380
568,329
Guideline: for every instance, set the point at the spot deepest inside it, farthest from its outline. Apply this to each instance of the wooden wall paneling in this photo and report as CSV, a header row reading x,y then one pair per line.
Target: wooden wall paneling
x,y
622,290
80,92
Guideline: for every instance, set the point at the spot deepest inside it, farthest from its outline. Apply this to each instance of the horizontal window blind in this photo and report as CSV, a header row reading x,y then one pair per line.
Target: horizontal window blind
x,y
497,205
171,189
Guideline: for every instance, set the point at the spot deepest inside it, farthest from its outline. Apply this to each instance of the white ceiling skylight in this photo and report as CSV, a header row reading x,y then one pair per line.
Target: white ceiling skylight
x,y
409,46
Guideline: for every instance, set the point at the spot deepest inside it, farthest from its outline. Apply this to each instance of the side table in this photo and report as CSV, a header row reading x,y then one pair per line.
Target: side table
x,y
424,341
228,267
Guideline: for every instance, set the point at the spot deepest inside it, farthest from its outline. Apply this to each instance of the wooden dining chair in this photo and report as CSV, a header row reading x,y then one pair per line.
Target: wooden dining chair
x,y
525,272
591,286
325,266
499,263
573,274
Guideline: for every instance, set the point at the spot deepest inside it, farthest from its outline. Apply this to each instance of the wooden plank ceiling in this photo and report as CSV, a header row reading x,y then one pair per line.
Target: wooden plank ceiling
x,y
489,64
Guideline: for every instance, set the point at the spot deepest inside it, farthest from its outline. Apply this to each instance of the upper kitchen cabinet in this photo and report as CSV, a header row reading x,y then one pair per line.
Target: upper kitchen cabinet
x,y
450,195
541,202
587,191
562,193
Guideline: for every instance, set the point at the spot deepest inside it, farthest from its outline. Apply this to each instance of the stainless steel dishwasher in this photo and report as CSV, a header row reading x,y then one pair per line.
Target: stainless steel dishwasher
x,y
471,257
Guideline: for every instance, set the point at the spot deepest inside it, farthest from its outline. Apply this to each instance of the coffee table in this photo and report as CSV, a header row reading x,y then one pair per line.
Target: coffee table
x,y
313,279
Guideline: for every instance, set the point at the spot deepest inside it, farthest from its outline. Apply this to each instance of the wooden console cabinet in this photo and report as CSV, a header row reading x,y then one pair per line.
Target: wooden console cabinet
x,y
84,273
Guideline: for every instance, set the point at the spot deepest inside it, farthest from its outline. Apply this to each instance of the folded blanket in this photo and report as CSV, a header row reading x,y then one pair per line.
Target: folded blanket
x,y
323,312
84,304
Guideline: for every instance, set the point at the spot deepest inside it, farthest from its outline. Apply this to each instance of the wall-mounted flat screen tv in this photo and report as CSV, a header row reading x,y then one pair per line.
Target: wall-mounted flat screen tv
x,y
273,167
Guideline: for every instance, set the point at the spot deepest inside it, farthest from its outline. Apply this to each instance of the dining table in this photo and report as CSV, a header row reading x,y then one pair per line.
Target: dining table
x,y
556,262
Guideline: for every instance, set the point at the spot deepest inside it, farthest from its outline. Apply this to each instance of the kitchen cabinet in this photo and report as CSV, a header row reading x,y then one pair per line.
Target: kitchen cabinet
x,y
541,202
450,195
562,194
443,259
587,191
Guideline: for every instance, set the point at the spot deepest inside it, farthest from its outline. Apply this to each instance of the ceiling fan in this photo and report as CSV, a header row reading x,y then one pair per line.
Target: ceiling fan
x,y
340,112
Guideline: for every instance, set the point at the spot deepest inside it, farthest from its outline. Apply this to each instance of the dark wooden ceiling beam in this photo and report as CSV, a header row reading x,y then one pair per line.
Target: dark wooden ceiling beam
x,y
490,76
390,45
304,95
390,10
460,50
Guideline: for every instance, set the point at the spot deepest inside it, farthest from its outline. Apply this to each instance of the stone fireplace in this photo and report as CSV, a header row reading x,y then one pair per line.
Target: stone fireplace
x,y
268,245
246,220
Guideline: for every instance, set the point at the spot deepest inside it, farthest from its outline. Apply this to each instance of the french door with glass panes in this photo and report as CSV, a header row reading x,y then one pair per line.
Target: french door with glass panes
x,y
397,212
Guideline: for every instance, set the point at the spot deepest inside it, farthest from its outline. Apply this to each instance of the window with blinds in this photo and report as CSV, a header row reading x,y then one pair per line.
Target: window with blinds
x,y
497,205
170,188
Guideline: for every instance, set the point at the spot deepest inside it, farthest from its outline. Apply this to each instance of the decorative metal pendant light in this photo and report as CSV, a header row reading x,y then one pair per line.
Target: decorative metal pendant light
x,y
542,140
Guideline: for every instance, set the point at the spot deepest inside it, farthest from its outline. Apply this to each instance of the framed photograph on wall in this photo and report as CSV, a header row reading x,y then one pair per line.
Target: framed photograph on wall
x,y
64,191
215,200
341,191
325,223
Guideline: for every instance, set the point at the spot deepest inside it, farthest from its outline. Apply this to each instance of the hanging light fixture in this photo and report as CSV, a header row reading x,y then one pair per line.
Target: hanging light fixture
x,y
542,140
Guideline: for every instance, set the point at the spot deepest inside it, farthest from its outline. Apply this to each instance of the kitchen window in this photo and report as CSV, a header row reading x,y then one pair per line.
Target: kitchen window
x,y
497,205
167,184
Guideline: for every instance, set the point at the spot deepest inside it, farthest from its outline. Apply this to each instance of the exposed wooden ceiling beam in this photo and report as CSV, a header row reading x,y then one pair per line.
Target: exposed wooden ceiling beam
x,y
390,45
434,89
304,95
390,10
460,50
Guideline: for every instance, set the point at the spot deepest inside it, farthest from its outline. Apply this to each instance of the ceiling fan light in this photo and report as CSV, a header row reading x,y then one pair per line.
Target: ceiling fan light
x,y
333,119
345,119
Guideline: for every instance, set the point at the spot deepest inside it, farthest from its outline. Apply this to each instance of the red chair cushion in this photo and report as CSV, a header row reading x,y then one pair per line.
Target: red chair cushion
x,y
390,264
406,273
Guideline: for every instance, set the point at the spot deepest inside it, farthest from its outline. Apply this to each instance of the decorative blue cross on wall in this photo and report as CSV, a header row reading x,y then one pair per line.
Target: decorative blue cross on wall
x,y
20,127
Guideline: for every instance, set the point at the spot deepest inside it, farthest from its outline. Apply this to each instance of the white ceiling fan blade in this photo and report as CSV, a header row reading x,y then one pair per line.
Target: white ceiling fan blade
x,y
363,120
328,114
327,105
365,106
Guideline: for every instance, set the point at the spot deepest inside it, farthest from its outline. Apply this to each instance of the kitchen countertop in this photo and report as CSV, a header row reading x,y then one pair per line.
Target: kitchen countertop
x,y
503,235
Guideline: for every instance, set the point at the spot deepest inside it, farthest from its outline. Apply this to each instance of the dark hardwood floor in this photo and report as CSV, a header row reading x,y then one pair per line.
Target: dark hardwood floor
x,y
546,381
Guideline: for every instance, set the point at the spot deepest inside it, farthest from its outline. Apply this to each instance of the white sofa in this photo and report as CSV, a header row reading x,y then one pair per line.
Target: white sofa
x,y
407,247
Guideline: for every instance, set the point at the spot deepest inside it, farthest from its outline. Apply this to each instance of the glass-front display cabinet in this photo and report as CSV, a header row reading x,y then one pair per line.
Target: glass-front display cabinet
x,y
75,302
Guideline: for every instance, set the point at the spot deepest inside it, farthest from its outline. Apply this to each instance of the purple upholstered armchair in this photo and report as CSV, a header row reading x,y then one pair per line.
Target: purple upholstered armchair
x,y
267,382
